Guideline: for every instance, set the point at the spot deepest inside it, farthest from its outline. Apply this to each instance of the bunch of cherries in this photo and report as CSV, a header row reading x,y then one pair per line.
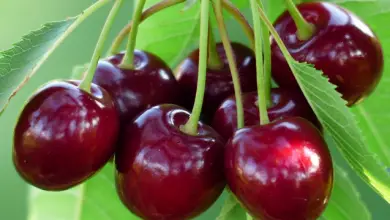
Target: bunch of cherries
x,y
280,170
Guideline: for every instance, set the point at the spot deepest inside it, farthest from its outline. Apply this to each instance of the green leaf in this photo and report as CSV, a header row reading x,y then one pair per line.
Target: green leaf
x,y
232,210
372,114
337,119
18,64
345,202
92,200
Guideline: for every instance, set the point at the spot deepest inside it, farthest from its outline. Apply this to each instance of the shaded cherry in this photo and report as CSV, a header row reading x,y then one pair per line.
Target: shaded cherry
x,y
64,135
163,173
282,170
219,83
285,103
343,47
150,83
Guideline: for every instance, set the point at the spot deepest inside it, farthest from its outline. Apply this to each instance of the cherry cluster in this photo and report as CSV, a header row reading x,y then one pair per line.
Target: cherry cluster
x,y
279,170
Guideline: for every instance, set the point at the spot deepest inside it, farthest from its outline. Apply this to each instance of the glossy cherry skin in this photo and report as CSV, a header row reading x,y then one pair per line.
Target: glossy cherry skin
x,y
285,103
282,170
219,84
343,47
150,83
64,135
163,173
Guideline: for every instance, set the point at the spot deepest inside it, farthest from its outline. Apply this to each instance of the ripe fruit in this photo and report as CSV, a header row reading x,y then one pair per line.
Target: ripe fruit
x,y
150,83
343,47
64,135
164,173
282,170
286,103
219,84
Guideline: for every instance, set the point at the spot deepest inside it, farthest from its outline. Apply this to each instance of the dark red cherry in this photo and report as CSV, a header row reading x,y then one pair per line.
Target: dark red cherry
x,y
163,173
282,170
64,135
219,84
285,103
343,47
150,83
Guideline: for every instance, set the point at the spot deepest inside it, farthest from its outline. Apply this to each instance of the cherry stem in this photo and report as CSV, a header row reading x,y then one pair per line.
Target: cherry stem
x,y
128,59
276,36
88,77
214,60
267,59
231,60
160,6
191,127
240,18
261,87
305,29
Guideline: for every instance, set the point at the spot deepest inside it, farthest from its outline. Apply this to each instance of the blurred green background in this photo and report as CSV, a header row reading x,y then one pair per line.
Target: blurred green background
x,y
18,17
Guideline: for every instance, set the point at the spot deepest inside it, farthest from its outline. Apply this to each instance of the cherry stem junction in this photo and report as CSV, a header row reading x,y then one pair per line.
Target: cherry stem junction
x,y
261,82
191,127
305,29
88,77
145,15
217,4
128,59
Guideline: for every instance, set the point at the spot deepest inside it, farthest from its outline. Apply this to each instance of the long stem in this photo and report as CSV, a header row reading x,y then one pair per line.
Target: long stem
x,y
214,60
86,82
261,93
160,6
240,18
231,60
128,60
275,34
191,127
305,29
267,59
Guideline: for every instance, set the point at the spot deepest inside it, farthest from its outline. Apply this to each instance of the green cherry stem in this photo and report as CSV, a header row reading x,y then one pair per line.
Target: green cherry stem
x,y
128,59
267,59
231,60
276,36
240,18
160,6
261,87
88,77
305,29
214,60
191,127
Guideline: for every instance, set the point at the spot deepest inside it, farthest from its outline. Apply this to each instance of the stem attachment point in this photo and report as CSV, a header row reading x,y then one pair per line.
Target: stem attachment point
x,y
191,127
128,59
305,30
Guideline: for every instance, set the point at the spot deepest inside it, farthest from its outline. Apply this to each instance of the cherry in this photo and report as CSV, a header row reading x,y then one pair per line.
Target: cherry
x,y
64,135
150,83
219,83
163,173
282,170
285,103
343,47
